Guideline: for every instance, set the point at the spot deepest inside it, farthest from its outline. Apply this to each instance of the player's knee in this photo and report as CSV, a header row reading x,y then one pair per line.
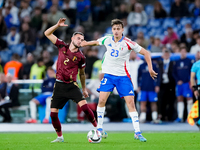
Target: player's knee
x,y
102,101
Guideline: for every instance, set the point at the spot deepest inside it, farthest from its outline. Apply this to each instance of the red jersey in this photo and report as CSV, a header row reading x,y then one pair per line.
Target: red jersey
x,y
68,62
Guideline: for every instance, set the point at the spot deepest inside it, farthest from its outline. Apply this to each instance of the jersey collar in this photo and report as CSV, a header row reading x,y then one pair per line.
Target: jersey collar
x,y
119,40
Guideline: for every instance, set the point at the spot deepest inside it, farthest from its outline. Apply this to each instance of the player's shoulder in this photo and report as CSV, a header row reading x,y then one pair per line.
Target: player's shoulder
x,y
61,43
127,40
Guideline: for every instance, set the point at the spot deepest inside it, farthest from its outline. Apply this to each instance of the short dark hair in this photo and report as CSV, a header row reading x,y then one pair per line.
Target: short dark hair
x,y
116,22
78,33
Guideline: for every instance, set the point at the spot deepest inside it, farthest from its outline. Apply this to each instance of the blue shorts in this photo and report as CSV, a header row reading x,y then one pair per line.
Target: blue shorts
x,y
42,98
151,96
123,85
183,90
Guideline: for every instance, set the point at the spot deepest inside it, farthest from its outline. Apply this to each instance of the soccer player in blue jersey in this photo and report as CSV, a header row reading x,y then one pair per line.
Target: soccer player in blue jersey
x,y
147,91
195,74
115,66
181,74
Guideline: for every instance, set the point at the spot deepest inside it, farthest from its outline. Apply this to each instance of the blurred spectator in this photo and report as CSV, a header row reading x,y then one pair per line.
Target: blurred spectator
x,y
25,9
196,8
81,29
158,11
137,17
179,10
166,98
42,99
126,27
28,37
69,9
147,91
134,62
57,3
45,25
187,37
53,16
197,56
14,67
98,10
131,5
1,66
156,47
141,40
40,3
3,27
196,47
171,36
174,46
27,65
181,74
91,57
96,69
8,18
8,97
38,69
48,62
122,13
36,19
83,10
13,37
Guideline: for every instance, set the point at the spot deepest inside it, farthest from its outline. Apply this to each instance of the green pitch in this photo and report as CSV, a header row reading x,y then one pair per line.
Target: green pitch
x,y
115,141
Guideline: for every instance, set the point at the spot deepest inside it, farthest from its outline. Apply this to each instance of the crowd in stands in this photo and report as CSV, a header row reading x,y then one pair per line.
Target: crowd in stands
x,y
165,27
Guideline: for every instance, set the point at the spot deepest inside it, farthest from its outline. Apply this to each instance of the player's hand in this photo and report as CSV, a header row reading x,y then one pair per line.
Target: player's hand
x,y
84,43
85,93
196,93
153,74
61,22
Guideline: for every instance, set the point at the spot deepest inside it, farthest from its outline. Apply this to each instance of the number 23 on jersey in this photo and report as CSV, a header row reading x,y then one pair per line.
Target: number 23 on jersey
x,y
114,53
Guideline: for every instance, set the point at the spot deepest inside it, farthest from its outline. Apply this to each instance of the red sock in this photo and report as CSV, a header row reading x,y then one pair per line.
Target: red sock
x,y
56,123
89,114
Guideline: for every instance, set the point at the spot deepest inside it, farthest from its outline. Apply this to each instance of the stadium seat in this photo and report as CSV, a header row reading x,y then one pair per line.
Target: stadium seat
x,y
18,49
169,22
141,29
154,23
196,24
6,55
148,9
185,20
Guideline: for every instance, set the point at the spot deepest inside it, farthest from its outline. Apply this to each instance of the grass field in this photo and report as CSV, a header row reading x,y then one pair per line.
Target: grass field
x,y
115,141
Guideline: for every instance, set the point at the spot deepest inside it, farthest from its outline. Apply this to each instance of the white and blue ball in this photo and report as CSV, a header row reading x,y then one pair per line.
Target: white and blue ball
x,y
94,136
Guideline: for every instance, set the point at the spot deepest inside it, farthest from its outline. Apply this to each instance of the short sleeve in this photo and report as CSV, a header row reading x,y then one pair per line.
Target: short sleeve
x,y
194,68
132,45
59,43
103,39
82,62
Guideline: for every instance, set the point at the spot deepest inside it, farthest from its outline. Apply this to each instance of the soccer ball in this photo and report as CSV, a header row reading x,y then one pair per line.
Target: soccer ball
x,y
94,136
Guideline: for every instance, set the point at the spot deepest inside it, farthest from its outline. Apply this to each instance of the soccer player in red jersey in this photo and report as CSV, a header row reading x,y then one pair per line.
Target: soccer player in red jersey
x,y
70,60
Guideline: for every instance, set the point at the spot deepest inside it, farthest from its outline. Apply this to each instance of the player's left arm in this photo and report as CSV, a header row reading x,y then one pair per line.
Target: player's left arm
x,y
193,84
147,57
90,43
82,79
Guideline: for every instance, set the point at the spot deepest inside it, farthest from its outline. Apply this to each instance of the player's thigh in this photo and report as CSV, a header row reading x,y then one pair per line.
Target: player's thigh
x,y
152,96
179,90
142,96
124,87
187,91
107,84
75,94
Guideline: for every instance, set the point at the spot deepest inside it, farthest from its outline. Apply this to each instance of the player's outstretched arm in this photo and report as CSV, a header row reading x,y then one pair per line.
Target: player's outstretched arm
x,y
49,32
90,43
82,78
147,57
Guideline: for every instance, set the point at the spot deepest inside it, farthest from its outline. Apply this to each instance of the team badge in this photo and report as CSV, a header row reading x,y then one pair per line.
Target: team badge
x,y
75,58
64,52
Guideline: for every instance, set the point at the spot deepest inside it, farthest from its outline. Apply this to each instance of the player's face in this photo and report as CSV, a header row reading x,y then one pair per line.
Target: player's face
x,y
77,39
117,30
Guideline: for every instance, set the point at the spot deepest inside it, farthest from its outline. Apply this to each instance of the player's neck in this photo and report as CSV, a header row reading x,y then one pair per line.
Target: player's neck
x,y
72,48
116,39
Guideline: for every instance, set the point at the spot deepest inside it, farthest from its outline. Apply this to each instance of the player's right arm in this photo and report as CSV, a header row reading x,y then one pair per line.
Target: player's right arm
x,y
49,32
90,43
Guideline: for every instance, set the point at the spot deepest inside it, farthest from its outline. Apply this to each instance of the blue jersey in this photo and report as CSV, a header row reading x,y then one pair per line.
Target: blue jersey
x,y
48,85
196,69
181,70
144,79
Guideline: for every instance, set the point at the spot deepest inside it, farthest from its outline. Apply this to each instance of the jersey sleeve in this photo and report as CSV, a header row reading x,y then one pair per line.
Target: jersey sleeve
x,y
102,40
132,45
59,43
82,62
